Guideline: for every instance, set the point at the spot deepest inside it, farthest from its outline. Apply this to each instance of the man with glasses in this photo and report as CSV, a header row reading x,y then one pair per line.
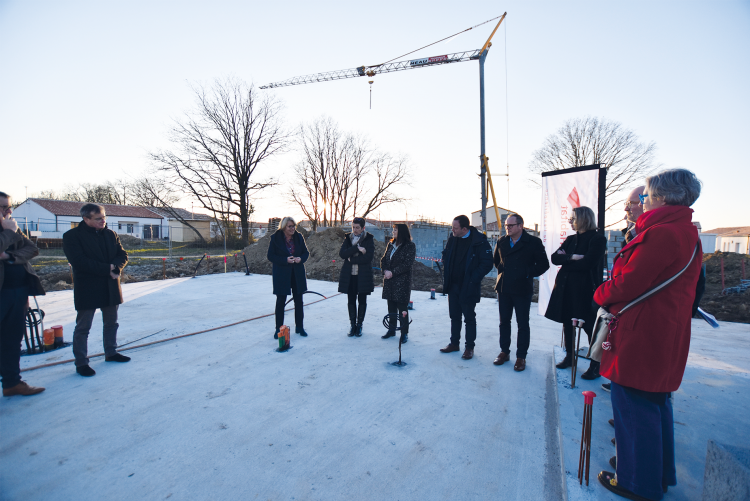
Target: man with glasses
x,y
518,257
633,210
97,257
17,282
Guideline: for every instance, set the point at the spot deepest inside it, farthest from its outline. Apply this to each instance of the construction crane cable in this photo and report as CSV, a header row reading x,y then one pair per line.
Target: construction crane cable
x,y
433,43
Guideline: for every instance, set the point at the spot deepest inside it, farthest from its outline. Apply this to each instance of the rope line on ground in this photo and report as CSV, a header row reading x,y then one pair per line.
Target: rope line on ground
x,y
52,364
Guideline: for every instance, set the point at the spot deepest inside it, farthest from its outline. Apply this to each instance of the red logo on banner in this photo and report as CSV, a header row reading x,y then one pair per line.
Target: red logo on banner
x,y
573,198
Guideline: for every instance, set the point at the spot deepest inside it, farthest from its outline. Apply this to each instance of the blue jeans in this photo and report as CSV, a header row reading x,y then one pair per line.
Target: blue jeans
x,y
522,304
13,308
644,433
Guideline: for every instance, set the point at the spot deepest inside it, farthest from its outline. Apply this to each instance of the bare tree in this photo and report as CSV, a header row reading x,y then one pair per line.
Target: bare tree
x,y
591,140
219,145
340,175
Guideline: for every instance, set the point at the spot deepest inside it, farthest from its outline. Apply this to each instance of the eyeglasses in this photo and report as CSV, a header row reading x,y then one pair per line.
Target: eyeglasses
x,y
512,224
98,218
630,203
4,207
643,198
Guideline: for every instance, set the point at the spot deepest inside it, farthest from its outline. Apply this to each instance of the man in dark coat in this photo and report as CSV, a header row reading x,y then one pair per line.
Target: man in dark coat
x,y
97,257
467,258
518,257
17,282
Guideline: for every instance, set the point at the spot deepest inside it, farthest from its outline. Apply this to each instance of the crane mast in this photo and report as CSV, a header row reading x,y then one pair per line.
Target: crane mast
x,y
411,64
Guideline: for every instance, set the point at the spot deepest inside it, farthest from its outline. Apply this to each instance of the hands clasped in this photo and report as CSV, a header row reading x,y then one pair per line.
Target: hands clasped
x,y
293,260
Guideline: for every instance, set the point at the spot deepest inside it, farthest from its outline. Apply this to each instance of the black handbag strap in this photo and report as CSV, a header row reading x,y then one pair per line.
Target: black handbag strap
x,y
661,285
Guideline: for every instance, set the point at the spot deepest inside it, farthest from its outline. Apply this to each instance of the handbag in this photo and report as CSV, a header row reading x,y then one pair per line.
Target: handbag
x,y
606,322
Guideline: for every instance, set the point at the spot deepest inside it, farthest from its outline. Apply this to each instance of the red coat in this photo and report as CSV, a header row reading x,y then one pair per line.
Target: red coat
x,y
651,341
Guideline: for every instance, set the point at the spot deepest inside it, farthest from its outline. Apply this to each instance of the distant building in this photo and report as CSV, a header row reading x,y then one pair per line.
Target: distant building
x,y
181,232
45,218
731,239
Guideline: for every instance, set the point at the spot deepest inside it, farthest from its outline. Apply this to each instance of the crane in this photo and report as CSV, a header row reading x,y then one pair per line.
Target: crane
x,y
423,62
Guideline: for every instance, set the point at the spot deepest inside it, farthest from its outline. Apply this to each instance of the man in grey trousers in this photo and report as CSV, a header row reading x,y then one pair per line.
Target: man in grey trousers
x,y
97,257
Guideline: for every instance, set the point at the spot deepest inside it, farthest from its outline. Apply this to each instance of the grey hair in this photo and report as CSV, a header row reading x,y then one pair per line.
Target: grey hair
x,y
89,209
675,186
585,218
286,221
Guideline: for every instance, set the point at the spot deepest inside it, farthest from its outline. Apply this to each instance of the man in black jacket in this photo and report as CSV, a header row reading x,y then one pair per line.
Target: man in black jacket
x,y
518,257
97,257
17,282
467,258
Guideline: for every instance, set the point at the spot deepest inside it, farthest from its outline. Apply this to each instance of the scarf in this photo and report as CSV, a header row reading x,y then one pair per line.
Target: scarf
x,y
355,240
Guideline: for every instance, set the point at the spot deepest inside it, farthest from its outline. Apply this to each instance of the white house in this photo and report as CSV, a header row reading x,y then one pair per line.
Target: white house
x,y
46,218
732,239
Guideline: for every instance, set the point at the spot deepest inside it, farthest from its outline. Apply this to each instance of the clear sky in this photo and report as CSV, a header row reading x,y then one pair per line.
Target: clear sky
x,y
87,88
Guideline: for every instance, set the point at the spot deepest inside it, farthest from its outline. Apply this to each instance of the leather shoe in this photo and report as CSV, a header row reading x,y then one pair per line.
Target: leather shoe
x,y
502,358
85,371
388,334
22,389
520,364
117,358
450,348
468,354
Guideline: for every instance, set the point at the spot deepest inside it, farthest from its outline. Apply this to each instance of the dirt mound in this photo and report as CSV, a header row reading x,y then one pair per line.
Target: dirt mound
x,y
730,308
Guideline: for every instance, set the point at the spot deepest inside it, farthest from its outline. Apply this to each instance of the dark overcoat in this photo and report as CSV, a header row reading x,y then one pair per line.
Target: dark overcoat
x,y
478,264
518,265
650,346
282,270
90,253
398,287
577,280
20,250
351,255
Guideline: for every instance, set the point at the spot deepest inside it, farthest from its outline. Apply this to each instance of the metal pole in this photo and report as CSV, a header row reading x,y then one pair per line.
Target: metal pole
x,y
483,170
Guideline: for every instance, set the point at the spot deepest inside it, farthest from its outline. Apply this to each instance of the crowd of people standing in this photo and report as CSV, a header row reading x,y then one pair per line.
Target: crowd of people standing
x,y
657,277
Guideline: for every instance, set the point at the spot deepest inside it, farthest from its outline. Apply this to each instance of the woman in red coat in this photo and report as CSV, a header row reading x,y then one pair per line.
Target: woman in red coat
x,y
651,340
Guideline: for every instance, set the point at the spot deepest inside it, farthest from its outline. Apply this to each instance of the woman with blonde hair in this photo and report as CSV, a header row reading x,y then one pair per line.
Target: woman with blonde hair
x,y
580,258
288,252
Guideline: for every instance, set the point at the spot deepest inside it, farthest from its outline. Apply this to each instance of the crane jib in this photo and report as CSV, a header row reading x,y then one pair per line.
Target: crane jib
x,y
428,60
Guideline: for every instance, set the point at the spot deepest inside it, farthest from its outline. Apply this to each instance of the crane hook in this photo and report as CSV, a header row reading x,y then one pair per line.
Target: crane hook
x,y
370,82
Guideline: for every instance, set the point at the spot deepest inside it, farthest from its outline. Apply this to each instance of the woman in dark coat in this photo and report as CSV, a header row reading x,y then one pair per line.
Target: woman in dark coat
x,y
356,279
580,257
288,252
397,264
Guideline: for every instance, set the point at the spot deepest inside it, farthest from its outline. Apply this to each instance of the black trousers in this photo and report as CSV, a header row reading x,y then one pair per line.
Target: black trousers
x,y
353,295
299,314
400,310
13,307
522,304
458,309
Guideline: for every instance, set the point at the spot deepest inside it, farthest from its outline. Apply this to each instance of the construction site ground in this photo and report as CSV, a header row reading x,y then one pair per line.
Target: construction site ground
x,y
223,415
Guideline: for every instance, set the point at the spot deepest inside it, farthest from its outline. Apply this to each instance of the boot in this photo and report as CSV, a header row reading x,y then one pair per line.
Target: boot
x,y
352,320
392,319
592,372
360,319
567,362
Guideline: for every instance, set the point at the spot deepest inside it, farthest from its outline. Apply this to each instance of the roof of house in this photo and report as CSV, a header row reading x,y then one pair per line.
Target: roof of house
x,y
182,213
66,208
741,230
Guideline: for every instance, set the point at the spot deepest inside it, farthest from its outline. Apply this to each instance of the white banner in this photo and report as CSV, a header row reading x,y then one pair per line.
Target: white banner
x,y
560,194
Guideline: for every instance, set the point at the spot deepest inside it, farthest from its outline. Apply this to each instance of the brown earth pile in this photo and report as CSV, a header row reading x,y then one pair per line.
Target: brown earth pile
x,y
730,308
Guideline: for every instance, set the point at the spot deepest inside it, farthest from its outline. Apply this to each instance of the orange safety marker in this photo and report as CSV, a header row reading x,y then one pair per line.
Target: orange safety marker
x,y
58,335
284,340
49,339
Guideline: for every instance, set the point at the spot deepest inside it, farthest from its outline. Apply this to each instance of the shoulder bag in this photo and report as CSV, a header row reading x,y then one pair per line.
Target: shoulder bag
x,y
606,322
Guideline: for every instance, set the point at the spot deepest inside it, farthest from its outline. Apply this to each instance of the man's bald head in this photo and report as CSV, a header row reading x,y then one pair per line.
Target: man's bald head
x,y
633,206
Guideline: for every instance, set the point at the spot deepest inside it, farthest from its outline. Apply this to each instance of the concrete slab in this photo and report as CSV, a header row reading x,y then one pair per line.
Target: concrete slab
x,y
711,404
222,415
